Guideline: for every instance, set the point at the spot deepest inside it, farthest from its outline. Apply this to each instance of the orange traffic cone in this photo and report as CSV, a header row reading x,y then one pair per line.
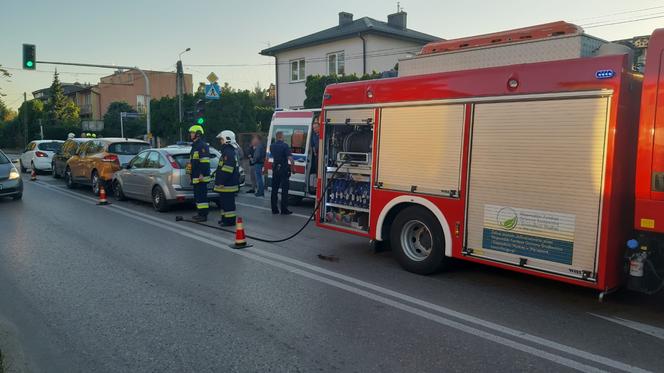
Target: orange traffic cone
x,y
240,237
33,175
102,196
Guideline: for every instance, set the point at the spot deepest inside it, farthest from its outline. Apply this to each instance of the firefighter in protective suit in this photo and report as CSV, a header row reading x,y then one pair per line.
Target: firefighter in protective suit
x,y
199,169
227,178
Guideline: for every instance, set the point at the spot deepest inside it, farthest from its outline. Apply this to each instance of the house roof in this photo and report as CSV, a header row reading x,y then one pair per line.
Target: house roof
x,y
68,88
364,25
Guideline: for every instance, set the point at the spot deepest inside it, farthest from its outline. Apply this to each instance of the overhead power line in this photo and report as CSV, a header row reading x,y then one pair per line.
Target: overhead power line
x,y
618,13
624,21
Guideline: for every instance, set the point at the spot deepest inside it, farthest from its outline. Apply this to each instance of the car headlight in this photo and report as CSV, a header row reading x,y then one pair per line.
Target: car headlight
x,y
13,174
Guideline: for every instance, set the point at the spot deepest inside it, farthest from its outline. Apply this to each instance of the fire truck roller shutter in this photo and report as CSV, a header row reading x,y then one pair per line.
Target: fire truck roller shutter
x,y
420,149
536,175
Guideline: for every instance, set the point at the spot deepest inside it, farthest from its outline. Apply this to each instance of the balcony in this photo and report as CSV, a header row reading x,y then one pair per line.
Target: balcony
x,y
85,109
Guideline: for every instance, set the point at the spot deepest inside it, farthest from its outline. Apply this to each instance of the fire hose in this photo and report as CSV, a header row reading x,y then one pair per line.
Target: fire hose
x,y
311,217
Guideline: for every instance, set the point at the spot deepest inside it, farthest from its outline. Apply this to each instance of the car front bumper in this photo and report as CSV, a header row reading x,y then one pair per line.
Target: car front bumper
x,y
10,188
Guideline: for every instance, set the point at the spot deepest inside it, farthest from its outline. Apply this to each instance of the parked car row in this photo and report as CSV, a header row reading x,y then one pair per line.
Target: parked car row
x,y
127,168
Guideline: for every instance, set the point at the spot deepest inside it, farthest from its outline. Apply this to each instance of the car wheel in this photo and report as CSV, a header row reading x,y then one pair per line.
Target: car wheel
x,y
69,181
18,197
95,182
159,199
54,172
418,241
23,169
118,194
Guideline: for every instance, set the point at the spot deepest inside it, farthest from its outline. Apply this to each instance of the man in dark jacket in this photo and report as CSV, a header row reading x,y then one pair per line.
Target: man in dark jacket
x,y
281,153
257,161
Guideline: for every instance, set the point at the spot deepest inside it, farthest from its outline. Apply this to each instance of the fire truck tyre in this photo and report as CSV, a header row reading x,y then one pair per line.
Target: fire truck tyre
x,y
417,241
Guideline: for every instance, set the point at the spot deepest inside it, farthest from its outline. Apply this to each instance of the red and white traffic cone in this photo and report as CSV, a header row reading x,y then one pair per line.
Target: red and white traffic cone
x,y
33,175
240,237
102,196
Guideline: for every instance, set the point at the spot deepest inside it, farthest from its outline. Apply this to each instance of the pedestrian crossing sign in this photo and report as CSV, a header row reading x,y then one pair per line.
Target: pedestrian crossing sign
x,y
212,91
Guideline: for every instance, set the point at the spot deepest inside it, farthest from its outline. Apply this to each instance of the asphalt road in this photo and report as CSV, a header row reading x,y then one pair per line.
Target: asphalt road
x,y
123,288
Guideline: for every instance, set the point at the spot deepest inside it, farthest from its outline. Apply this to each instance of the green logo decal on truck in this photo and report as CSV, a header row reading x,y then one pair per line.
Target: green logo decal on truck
x,y
507,218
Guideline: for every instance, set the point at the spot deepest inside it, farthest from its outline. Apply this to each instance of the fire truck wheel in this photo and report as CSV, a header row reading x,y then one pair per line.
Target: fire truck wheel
x,y
417,240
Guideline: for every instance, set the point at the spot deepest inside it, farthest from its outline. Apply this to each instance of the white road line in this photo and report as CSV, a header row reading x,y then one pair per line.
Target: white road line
x,y
263,257
641,327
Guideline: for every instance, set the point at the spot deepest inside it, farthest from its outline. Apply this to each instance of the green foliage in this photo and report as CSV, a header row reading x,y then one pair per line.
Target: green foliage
x,y
315,86
133,127
60,109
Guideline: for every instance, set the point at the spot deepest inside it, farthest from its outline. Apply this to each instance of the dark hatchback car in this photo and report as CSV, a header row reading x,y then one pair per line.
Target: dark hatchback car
x,y
68,149
11,184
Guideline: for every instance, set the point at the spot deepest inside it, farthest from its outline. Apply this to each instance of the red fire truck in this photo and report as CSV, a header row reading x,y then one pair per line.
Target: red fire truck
x,y
529,167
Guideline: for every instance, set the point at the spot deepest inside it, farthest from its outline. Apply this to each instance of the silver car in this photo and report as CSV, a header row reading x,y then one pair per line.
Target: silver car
x,y
11,184
159,176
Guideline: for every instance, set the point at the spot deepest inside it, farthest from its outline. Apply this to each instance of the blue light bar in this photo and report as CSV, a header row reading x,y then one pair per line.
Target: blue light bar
x,y
605,74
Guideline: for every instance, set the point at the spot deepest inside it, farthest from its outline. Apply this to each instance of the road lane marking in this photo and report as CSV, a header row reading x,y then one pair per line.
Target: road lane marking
x,y
281,261
641,327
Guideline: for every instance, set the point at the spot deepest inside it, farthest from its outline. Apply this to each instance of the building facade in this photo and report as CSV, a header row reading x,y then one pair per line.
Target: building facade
x,y
129,86
357,47
85,96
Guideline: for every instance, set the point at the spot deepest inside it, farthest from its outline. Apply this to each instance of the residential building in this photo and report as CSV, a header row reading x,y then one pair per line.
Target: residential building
x,y
85,96
129,86
639,45
358,47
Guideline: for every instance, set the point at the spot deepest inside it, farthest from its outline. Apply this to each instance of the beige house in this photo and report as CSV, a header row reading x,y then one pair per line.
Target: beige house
x,y
129,86
356,47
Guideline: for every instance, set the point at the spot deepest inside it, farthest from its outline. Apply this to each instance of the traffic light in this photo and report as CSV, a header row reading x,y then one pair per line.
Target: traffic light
x,y
200,112
29,57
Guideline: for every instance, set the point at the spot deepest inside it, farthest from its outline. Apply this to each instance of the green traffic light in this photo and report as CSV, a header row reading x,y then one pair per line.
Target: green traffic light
x,y
200,121
29,64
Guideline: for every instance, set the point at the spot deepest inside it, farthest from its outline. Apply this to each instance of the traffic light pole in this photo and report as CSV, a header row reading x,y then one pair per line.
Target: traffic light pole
x,y
145,77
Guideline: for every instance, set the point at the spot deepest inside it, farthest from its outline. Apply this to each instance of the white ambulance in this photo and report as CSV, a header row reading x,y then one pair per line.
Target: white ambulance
x,y
297,128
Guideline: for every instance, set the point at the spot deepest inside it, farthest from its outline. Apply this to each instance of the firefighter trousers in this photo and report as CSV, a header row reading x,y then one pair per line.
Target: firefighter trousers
x,y
228,215
201,198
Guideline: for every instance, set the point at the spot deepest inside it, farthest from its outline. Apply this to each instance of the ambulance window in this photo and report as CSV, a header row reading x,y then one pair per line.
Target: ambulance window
x,y
295,137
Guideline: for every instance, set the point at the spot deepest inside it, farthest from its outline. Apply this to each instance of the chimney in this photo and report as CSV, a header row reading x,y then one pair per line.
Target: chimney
x,y
345,18
397,20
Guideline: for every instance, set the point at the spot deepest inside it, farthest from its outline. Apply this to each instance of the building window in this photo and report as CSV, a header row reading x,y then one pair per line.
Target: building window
x,y
297,70
140,103
336,64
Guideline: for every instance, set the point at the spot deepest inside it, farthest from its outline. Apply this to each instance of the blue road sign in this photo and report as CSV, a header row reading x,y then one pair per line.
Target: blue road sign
x,y
212,91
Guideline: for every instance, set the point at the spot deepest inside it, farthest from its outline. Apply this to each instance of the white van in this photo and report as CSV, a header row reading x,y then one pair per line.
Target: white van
x,y
296,125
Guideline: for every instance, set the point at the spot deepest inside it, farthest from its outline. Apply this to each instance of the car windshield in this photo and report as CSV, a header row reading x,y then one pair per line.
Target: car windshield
x,y
127,148
3,159
50,146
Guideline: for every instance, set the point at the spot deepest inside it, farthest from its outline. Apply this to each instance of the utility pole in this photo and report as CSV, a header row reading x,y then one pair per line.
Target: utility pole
x,y
180,88
25,120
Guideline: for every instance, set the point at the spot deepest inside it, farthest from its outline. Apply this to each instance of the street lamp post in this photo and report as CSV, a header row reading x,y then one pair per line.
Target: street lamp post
x,y
180,88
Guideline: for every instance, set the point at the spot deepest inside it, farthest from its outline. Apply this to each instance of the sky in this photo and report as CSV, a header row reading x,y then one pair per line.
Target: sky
x,y
151,33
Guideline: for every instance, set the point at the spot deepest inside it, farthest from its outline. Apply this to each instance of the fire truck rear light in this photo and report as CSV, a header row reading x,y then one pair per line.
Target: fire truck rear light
x,y
513,83
605,74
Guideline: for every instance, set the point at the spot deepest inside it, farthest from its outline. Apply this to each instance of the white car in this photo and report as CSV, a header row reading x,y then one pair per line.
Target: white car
x,y
38,155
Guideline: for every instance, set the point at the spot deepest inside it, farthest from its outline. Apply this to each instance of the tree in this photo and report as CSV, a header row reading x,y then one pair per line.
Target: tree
x,y
132,127
4,74
60,109
315,86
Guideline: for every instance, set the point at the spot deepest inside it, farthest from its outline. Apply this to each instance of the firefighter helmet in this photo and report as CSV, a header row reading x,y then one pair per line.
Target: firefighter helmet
x,y
228,137
196,129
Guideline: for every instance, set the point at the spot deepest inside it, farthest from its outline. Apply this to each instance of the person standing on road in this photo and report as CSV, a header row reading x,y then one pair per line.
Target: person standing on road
x,y
252,173
257,159
281,153
199,168
227,179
